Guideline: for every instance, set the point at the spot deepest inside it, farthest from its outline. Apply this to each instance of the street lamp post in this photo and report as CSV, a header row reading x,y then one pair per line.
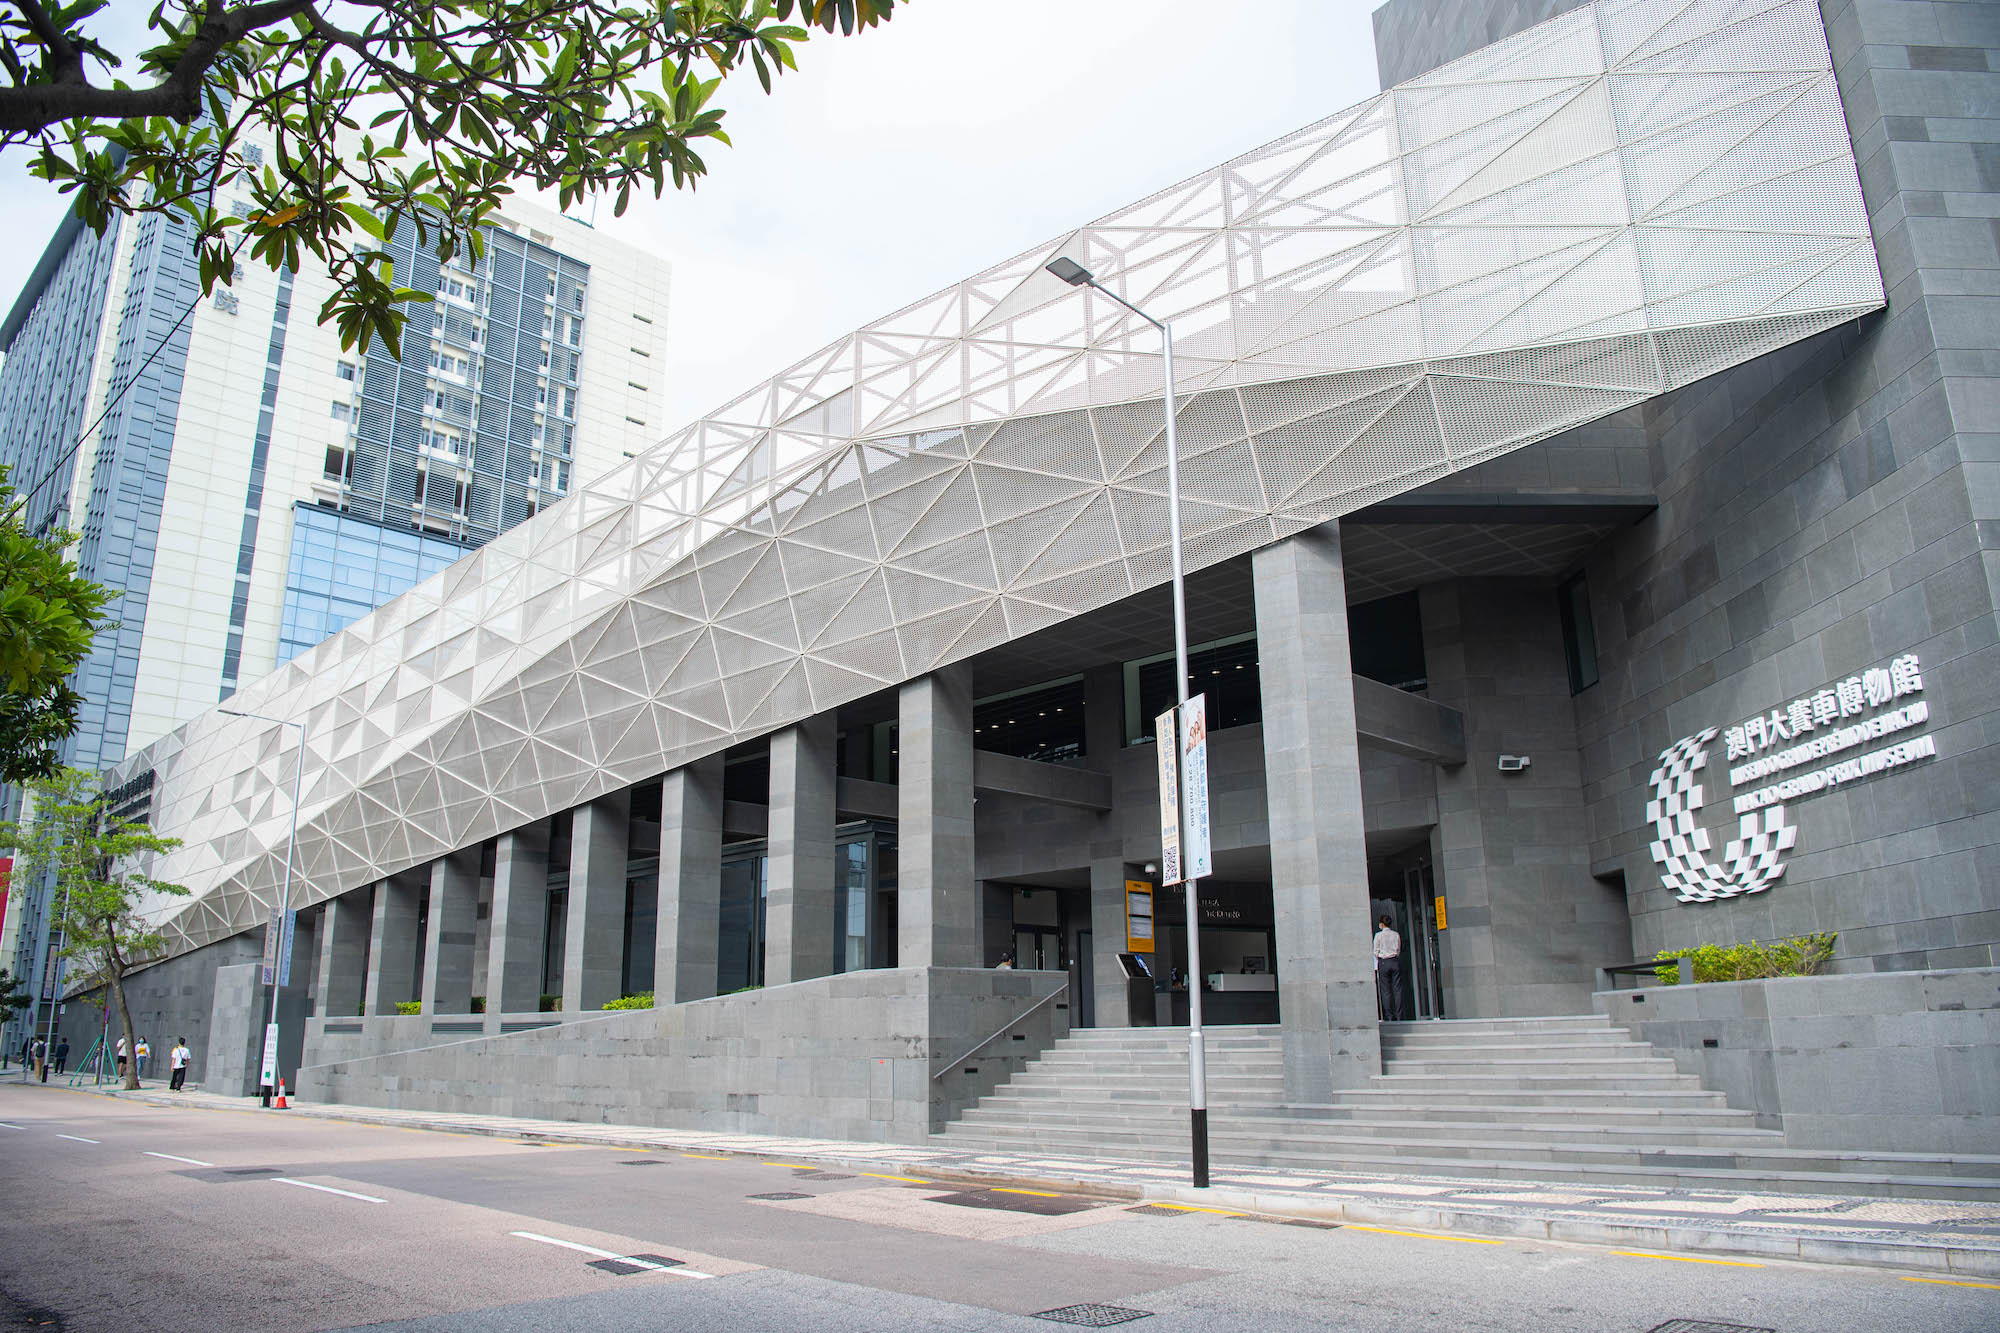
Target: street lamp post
x,y
1076,275
285,893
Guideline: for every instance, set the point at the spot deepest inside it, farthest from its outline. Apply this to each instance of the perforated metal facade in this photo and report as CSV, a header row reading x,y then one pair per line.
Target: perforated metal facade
x,y
1616,203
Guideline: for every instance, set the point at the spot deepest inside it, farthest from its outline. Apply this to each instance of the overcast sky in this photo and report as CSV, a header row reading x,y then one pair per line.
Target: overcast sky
x,y
895,163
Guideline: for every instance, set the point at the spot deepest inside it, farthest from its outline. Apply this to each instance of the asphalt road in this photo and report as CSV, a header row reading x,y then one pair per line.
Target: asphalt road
x,y
130,1217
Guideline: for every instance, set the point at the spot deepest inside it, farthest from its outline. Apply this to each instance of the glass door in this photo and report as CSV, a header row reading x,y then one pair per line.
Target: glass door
x,y
1425,995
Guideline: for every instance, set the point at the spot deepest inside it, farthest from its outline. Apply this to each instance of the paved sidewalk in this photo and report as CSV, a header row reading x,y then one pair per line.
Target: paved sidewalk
x,y
1959,1239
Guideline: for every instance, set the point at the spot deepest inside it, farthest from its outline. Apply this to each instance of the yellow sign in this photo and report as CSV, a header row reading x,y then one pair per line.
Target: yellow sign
x,y
1138,916
1440,906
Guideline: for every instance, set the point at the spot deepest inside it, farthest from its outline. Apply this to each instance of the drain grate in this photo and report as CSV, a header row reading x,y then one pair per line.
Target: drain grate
x,y
1092,1316
1707,1326
781,1196
250,1171
642,1161
1154,1210
616,1267
658,1260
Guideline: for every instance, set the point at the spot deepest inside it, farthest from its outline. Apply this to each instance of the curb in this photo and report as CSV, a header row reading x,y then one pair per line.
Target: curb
x,y
1955,1260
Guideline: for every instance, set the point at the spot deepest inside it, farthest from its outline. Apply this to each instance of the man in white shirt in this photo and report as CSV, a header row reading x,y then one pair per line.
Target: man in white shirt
x,y
178,1058
1388,970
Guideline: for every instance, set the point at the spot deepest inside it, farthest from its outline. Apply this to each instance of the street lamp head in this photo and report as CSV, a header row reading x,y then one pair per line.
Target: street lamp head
x,y
1071,272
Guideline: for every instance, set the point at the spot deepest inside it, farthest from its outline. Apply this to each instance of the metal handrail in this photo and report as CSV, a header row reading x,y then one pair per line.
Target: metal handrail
x,y
1017,1018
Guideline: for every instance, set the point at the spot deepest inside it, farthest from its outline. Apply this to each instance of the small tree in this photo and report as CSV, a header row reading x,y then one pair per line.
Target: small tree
x,y
48,616
13,996
99,889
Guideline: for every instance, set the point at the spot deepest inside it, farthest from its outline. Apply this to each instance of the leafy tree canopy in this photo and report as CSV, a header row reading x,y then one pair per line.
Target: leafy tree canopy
x,y
101,888
379,111
48,614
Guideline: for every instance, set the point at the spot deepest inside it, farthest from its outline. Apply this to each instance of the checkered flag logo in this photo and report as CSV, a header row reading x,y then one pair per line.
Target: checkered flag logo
x,y
1681,846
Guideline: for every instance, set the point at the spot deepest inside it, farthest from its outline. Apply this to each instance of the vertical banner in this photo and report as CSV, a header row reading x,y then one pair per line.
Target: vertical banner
x,y
285,949
1164,732
1138,916
6,881
274,931
1195,858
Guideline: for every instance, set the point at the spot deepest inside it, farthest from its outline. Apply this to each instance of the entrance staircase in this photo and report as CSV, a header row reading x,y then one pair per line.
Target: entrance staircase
x,y
1568,1099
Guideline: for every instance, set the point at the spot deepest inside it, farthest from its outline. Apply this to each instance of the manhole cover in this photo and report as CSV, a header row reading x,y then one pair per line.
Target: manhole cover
x,y
1093,1316
781,1196
1707,1326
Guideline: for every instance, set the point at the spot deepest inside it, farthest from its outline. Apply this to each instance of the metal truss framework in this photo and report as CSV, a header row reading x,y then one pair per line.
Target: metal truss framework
x,y
1608,206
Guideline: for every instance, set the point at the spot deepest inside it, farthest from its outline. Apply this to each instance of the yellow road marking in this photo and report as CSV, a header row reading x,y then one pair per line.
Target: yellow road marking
x,y
907,1180
1425,1235
1039,1194
704,1157
1686,1259
1947,1282
792,1166
1193,1208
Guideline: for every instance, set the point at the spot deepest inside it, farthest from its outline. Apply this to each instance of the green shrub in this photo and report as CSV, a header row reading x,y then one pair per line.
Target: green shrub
x,y
408,1007
1800,956
479,1004
643,1000
551,1004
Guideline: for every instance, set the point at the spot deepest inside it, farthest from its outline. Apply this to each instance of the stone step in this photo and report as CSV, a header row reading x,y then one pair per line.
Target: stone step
x,y
1585,1044
1559,1023
1569,1082
1878,1176
1613,1113
1107,1122
1461,1093
1565,1066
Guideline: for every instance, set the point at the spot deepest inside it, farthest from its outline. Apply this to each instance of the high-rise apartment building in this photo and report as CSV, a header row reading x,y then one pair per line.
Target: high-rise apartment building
x,y
251,487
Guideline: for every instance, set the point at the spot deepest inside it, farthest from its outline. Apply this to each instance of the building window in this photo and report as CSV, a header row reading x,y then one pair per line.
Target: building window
x,y
1225,671
342,411
1042,722
345,370
1579,633
336,461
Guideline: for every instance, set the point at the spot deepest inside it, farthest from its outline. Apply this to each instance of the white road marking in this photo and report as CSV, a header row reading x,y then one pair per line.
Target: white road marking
x,y
74,1139
326,1189
171,1158
607,1254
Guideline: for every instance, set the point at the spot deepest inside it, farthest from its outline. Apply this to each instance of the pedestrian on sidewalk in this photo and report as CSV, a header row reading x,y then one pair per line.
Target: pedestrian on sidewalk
x,y
178,1058
121,1057
42,1058
27,1055
144,1052
1389,970
62,1056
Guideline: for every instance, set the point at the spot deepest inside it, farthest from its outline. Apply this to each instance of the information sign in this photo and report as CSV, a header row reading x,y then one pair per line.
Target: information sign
x,y
270,1073
1138,916
274,931
285,949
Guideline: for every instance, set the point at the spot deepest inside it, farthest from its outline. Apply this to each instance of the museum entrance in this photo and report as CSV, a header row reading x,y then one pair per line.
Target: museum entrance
x,y
1239,981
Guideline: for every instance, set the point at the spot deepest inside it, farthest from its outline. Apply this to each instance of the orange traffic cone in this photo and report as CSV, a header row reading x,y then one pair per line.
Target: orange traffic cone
x,y
281,1104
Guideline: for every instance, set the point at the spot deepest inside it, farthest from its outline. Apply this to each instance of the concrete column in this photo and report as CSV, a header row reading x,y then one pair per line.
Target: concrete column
x,y
690,912
936,907
450,932
343,953
393,944
594,939
520,916
1319,861
798,907
1107,941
